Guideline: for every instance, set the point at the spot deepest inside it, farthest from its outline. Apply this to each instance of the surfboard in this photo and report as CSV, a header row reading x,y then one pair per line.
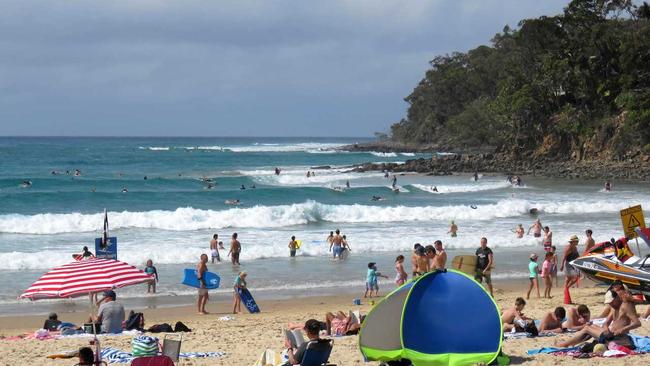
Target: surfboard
x,y
212,280
465,264
80,257
248,301
298,244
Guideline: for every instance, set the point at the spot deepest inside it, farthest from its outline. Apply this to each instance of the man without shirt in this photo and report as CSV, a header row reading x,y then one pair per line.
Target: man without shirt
x,y
552,321
214,248
515,313
337,244
589,242
441,255
414,259
235,249
622,319
578,318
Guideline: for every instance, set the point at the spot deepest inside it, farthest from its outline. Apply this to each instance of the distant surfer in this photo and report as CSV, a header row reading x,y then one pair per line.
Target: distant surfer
x,y
253,186
308,174
145,177
235,249
518,181
214,248
277,171
209,186
243,187
608,186
453,229
232,202
26,184
434,189
85,254
377,198
394,185
536,227
124,190
519,231
475,176
93,189
347,184
201,268
386,175
77,173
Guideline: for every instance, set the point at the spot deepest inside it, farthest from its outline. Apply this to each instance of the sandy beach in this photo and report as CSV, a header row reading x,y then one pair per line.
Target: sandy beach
x,y
244,338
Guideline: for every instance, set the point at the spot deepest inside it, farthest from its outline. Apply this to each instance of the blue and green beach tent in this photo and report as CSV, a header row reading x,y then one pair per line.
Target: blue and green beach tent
x,y
441,318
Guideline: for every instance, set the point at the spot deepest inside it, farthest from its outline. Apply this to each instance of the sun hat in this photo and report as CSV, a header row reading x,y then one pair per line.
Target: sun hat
x,y
533,256
574,238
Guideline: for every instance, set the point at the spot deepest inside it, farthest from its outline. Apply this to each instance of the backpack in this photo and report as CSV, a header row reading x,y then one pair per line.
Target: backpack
x,y
180,327
135,321
161,328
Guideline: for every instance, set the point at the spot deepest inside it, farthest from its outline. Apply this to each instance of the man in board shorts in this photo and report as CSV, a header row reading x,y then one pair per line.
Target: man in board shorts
x,y
214,248
201,268
235,249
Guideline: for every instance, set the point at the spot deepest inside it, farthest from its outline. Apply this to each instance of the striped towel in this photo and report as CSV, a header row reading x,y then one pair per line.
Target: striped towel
x,y
112,355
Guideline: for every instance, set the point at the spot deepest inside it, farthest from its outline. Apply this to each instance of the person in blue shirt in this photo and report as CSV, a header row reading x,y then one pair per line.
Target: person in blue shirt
x,y
371,280
533,268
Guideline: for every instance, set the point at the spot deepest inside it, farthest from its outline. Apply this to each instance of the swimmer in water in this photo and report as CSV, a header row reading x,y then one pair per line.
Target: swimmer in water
x,y
377,198
519,231
242,187
434,189
608,186
124,190
26,184
453,230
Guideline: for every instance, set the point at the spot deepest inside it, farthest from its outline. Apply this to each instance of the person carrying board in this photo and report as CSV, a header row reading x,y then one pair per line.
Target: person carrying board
x,y
240,284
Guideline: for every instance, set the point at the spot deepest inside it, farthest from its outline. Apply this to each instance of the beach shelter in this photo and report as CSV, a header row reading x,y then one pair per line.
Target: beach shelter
x,y
84,277
441,318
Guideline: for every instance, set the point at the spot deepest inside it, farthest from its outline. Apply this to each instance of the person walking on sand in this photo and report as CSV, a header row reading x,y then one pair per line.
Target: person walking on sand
x,y
519,231
401,276
536,227
546,274
214,248
589,242
151,271
533,268
453,229
240,284
484,261
293,245
441,255
571,274
201,268
547,242
235,249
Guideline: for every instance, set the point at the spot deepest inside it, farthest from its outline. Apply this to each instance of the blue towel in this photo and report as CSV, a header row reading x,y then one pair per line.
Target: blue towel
x,y
642,344
551,350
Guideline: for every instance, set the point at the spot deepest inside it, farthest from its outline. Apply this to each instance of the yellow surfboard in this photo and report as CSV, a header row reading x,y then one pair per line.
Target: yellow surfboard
x,y
298,244
465,264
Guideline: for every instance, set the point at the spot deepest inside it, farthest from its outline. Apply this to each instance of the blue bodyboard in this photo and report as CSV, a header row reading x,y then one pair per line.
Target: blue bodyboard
x,y
248,301
212,280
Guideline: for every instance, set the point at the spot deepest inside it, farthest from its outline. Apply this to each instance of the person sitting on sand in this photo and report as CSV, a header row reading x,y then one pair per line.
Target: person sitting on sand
x,y
52,322
338,324
86,356
110,314
515,313
552,321
577,318
617,326
312,328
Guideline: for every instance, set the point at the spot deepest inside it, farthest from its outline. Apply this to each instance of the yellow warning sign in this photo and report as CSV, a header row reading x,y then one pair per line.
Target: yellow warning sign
x,y
632,218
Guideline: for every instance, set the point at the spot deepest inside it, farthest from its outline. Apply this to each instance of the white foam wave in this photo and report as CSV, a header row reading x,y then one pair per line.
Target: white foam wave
x,y
383,154
305,147
154,148
408,154
188,218
483,186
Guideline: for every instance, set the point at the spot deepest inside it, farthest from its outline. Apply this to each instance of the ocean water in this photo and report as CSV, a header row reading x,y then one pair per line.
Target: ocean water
x,y
170,216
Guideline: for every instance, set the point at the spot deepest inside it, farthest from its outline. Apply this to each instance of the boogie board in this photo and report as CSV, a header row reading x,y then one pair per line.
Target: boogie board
x,y
80,257
248,301
212,280
298,244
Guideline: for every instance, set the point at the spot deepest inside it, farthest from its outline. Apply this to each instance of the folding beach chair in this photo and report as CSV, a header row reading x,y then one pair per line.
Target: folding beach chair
x,y
172,347
318,353
153,361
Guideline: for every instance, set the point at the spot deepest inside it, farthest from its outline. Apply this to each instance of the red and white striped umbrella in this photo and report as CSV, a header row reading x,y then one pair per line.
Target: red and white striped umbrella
x,y
83,277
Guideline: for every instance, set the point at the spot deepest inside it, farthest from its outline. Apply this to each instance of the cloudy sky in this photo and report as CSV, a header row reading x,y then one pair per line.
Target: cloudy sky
x,y
229,68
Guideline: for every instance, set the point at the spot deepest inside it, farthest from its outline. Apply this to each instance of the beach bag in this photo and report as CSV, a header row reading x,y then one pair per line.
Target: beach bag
x,y
180,327
135,321
144,346
161,328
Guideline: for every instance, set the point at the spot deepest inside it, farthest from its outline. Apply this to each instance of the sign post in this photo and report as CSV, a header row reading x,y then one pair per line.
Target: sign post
x,y
631,218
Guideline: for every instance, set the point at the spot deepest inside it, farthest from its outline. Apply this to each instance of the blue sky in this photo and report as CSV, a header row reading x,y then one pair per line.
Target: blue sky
x,y
229,68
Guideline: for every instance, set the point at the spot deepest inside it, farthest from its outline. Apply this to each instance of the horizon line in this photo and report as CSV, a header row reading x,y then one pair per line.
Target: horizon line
x,y
181,136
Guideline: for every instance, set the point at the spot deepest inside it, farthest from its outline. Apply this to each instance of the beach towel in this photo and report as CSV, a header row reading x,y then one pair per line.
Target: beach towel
x,y
112,355
548,350
642,344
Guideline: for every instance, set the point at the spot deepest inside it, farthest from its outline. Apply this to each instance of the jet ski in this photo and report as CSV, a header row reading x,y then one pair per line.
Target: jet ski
x,y
609,261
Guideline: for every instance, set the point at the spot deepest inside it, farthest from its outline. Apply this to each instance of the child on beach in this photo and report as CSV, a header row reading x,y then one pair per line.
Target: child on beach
x,y
151,270
371,280
546,274
401,276
533,268
240,283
